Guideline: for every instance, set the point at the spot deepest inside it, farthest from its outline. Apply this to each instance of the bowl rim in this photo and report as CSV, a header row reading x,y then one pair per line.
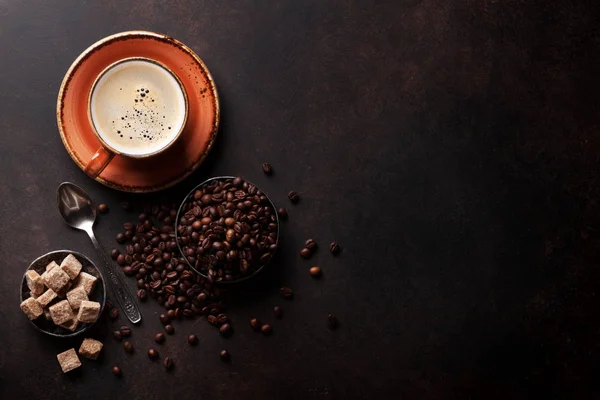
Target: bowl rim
x,y
78,254
245,278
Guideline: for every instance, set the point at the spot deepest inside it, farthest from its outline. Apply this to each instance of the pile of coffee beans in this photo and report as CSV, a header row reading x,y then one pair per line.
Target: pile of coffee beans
x,y
228,229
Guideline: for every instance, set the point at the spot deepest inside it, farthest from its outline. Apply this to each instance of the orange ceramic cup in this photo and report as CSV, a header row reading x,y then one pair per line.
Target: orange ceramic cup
x,y
119,102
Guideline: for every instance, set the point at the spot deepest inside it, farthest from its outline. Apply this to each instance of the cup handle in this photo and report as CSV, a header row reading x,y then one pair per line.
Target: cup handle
x,y
98,162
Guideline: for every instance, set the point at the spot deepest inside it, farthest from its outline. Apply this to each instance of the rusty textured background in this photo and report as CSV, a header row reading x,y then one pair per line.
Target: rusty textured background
x,y
451,147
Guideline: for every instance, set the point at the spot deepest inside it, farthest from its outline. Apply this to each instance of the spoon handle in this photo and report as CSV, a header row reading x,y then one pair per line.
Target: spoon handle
x,y
124,297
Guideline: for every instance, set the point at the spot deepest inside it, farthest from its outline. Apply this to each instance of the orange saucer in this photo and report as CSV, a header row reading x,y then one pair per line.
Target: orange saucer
x,y
184,156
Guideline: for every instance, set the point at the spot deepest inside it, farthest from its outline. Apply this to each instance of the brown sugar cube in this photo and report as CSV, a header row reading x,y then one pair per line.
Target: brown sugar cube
x,y
71,266
61,312
35,283
53,264
68,360
70,325
90,348
88,311
87,281
31,308
56,279
76,296
46,298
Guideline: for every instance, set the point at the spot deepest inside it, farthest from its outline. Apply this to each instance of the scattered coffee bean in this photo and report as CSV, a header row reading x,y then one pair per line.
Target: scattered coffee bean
x,y
169,329
193,340
103,208
125,331
141,294
332,321
306,253
117,335
164,319
226,330
267,169
169,363
121,238
116,371
294,197
152,354
114,254
255,324
128,346
159,337
310,244
286,293
315,271
225,355
266,329
278,311
114,313
108,305
283,214
121,259
334,248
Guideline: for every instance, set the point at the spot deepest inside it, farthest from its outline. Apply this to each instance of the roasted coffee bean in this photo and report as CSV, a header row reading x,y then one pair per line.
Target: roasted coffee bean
x,y
225,355
310,244
315,271
212,320
121,238
222,319
169,363
152,354
117,335
114,254
116,371
142,295
266,329
286,293
102,208
306,253
283,214
142,217
128,346
108,305
193,340
114,313
159,337
226,330
278,311
255,324
169,329
128,271
121,259
267,169
171,314
332,321
125,331
164,319
334,248
128,226
294,197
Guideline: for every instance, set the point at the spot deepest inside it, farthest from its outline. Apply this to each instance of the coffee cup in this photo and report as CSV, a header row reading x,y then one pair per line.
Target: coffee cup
x,y
137,108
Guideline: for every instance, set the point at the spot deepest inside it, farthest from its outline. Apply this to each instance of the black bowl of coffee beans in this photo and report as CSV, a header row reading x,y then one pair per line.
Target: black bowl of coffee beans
x,y
227,229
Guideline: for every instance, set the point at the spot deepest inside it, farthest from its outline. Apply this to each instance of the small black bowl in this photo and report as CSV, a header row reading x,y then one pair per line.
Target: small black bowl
x,y
98,294
180,213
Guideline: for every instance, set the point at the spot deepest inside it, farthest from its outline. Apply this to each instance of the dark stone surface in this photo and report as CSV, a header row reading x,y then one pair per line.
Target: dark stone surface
x,y
450,147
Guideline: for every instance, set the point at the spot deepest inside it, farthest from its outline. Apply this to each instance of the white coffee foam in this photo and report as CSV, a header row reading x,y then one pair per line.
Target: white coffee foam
x,y
138,107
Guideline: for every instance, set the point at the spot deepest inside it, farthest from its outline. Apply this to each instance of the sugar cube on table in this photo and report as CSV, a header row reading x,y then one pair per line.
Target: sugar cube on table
x,y
56,279
71,266
35,283
68,360
87,281
61,312
88,311
51,265
31,308
70,325
45,299
90,348
76,296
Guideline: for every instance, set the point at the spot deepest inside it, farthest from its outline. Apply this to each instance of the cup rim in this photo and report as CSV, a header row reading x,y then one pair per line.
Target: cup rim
x,y
93,125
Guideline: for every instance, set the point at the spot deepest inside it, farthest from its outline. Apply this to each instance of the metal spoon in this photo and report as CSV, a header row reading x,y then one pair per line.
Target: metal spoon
x,y
77,209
